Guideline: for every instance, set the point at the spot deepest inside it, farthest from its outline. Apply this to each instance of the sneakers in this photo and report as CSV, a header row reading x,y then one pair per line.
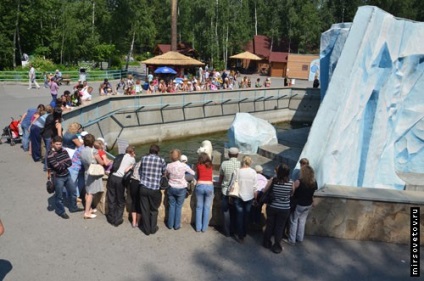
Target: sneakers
x,y
276,248
76,210
64,216
288,242
155,230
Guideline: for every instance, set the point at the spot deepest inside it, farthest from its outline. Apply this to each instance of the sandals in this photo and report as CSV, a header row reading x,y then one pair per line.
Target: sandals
x,y
92,216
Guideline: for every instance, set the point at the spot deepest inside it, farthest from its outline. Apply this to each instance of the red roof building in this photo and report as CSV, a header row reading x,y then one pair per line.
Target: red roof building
x,y
276,58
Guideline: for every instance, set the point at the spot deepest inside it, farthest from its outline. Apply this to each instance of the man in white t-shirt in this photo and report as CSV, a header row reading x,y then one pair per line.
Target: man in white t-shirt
x,y
150,77
31,76
86,93
115,194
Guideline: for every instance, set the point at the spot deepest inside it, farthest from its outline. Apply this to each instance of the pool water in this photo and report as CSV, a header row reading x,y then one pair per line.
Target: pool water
x,y
189,145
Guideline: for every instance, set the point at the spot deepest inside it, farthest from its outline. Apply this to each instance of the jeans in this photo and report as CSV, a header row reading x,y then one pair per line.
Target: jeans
x,y
47,142
54,97
228,211
204,197
25,138
176,198
79,180
59,183
242,215
35,136
297,223
275,221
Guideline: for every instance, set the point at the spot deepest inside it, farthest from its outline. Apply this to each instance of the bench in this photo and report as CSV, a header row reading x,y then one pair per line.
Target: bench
x,y
66,79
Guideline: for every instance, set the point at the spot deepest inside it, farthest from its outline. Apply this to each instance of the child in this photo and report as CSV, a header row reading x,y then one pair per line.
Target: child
x,y
191,181
138,87
99,145
258,83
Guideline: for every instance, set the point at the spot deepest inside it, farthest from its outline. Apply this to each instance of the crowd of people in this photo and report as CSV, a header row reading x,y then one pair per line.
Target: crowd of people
x,y
225,80
205,80
70,153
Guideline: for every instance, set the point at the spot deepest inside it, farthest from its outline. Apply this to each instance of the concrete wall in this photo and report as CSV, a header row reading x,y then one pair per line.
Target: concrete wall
x,y
364,214
149,118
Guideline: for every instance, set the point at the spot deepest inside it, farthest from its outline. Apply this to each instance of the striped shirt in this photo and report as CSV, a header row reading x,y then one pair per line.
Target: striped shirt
x,y
59,162
226,170
282,193
151,170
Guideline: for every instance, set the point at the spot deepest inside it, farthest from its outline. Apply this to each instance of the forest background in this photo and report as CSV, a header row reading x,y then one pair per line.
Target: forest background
x,y
68,31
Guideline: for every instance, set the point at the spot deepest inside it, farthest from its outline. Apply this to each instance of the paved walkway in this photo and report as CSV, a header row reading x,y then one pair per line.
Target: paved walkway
x,y
39,245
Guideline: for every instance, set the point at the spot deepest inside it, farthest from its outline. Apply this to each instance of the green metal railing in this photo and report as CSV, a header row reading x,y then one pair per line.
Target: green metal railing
x,y
92,75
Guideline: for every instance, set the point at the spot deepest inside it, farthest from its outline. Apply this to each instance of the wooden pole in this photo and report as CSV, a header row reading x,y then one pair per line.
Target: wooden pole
x,y
174,5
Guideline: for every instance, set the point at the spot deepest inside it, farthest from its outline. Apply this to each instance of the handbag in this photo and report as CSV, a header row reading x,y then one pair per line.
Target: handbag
x,y
50,187
127,177
268,196
164,184
234,188
96,170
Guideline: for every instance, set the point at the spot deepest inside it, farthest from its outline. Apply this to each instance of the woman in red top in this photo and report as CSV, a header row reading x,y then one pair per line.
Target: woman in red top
x,y
204,191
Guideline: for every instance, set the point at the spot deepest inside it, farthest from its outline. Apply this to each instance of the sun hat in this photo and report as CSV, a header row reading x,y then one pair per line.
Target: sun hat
x,y
102,140
259,169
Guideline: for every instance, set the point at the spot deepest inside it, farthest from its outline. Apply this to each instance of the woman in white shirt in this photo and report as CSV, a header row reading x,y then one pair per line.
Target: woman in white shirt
x,y
248,184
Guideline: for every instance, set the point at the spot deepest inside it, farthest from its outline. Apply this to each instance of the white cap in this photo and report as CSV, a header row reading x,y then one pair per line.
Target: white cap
x,y
84,133
183,158
233,150
259,169
102,140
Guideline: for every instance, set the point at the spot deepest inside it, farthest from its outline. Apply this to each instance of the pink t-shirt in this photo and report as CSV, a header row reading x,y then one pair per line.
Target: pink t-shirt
x,y
176,174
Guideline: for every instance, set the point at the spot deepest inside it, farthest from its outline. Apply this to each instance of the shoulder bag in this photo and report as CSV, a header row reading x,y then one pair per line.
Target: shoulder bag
x,y
95,170
234,188
268,196
164,184
127,177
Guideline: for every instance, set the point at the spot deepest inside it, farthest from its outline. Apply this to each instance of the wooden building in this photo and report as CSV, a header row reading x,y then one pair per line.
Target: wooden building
x,y
276,61
298,65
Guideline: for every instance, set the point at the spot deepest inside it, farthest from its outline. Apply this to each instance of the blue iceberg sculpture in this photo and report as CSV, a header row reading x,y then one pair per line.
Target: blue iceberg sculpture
x,y
248,132
370,124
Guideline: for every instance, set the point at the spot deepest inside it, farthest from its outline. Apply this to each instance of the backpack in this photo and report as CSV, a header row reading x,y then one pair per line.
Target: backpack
x,y
117,162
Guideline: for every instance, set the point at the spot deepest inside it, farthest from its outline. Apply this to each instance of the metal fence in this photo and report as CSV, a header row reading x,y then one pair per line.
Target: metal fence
x,y
91,75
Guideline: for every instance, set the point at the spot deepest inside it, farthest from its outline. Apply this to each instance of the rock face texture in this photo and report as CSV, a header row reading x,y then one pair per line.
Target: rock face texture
x,y
370,124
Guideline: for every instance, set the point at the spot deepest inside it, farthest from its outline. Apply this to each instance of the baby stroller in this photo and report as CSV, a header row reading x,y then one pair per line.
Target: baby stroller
x,y
12,132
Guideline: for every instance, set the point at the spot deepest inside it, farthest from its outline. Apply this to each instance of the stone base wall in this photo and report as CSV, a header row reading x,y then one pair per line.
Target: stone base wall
x,y
188,213
340,212
350,217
